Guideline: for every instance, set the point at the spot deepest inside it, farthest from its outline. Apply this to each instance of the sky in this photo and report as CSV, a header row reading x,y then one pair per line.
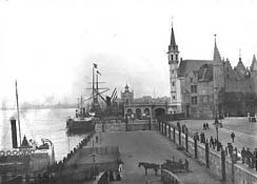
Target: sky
x,y
49,45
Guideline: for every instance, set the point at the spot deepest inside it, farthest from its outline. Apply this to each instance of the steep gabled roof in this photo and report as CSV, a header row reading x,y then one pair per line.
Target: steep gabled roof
x,y
254,64
186,66
216,55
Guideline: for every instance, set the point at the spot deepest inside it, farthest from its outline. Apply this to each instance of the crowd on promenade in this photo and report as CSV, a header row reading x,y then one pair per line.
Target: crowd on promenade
x,y
245,155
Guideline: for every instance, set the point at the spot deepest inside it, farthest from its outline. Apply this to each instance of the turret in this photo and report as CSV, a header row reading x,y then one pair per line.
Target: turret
x,y
173,49
173,58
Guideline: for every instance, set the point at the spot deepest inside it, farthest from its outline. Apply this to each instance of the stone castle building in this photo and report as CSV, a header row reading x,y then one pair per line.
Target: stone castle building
x,y
210,88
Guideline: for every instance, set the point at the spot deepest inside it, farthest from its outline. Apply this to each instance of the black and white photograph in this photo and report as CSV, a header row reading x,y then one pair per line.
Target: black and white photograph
x,y
128,92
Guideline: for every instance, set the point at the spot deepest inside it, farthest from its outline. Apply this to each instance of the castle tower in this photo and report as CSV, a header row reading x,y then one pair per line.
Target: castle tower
x,y
175,90
218,79
127,96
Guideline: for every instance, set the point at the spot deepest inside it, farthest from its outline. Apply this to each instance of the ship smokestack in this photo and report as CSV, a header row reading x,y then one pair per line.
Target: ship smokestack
x,y
14,132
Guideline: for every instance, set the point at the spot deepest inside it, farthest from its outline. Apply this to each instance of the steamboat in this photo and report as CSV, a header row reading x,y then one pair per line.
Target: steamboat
x,y
26,159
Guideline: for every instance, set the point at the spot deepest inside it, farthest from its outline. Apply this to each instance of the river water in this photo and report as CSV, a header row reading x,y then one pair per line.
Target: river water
x,y
37,124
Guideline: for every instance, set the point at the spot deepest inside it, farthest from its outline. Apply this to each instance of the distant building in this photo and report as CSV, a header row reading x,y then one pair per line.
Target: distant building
x,y
127,96
210,88
143,108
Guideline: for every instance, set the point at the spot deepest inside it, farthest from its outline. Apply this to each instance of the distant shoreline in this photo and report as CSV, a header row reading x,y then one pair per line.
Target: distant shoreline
x,y
34,108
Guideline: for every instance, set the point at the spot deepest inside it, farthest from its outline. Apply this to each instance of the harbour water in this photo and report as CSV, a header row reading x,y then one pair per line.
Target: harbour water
x,y
40,123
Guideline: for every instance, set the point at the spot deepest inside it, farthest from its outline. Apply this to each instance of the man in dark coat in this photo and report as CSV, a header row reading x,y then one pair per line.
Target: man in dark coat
x,y
233,136
243,155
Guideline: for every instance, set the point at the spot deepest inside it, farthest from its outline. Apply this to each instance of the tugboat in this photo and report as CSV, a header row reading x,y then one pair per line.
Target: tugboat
x,y
26,159
86,118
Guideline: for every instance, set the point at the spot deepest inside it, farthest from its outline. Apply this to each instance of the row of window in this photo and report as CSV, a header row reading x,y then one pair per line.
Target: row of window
x,y
193,99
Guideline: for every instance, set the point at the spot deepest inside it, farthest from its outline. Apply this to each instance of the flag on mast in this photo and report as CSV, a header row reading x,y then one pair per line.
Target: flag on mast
x,y
95,65
98,72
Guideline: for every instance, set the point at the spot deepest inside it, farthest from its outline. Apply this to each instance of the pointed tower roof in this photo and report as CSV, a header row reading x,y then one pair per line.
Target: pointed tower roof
x,y
172,38
126,88
254,64
216,56
173,46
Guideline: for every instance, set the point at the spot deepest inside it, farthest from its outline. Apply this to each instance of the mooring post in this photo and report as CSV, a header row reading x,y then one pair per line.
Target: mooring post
x,y
169,132
233,159
165,125
195,144
174,134
179,136
162,127
207,154
186,141
223,165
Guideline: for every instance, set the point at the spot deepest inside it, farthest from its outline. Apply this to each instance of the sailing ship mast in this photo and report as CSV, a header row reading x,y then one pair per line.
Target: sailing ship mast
x,y
18,112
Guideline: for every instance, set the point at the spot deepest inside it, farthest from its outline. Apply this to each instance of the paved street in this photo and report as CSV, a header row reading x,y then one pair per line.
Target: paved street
x,y
150,146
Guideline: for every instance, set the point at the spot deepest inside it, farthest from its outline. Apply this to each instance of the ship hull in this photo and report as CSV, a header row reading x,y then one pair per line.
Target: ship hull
x,y
77,126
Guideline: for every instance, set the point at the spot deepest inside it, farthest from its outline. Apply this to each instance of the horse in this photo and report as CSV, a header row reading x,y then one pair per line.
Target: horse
x,y
147,165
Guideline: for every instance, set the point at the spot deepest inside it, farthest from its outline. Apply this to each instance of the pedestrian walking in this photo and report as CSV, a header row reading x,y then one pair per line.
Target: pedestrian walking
x,y
233,136
243,155
211,141
197,136
248,157
254,158
201,137
207,125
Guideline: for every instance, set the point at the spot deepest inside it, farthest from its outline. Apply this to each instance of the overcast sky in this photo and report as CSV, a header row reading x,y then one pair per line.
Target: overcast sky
x,y
49,45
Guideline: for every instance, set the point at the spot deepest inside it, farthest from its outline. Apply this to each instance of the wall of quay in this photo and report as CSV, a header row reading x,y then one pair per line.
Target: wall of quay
x,y
134,125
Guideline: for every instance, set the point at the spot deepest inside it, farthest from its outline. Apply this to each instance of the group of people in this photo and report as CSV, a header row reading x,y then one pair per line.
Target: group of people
x,y
205,126
200,138
249,157
183,128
